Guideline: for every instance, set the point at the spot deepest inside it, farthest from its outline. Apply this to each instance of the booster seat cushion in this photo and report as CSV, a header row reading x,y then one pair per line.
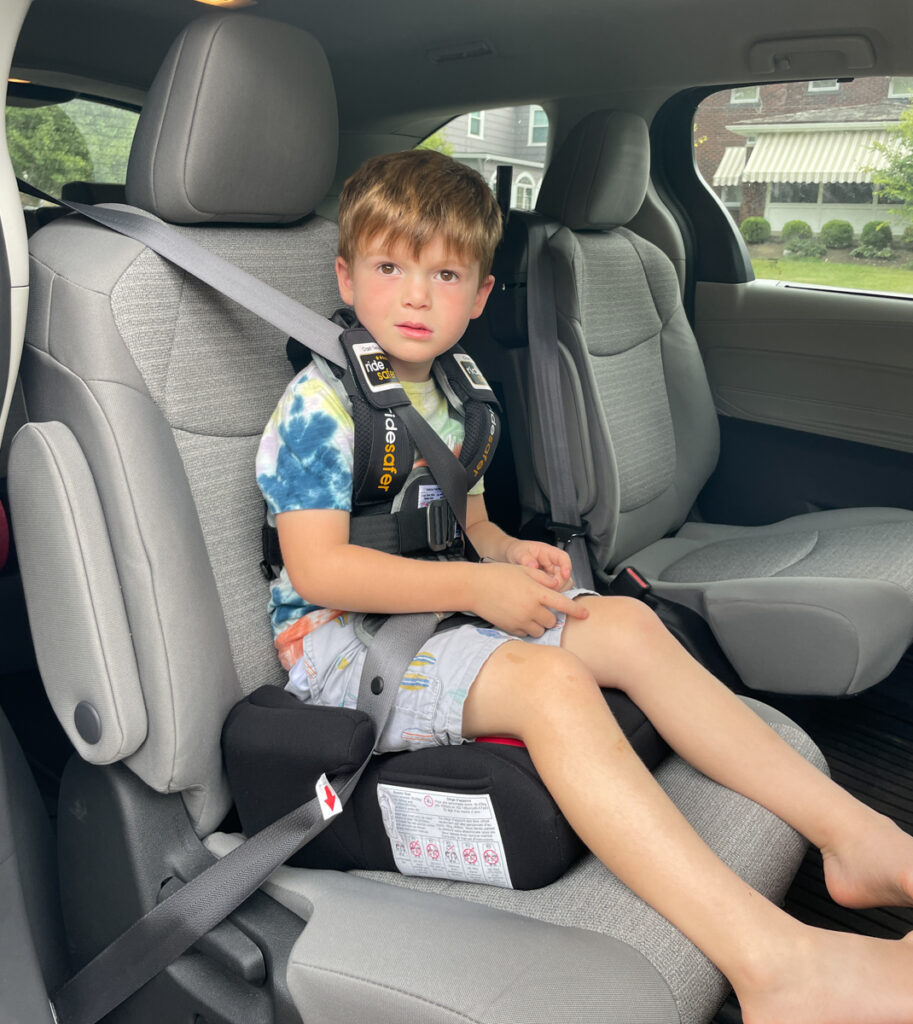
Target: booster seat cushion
x,y
427,812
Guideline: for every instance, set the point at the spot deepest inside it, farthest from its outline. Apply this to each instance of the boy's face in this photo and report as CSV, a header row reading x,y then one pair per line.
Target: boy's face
x,y
415,307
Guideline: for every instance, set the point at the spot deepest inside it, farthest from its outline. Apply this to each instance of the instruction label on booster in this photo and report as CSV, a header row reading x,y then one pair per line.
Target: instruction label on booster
x,y
444,835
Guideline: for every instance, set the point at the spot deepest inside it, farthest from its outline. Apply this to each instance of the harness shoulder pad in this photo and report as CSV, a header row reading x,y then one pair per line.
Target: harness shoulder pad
x,y
372,370
465,376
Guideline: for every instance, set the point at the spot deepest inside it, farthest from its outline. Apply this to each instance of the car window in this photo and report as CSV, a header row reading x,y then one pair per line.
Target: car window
x,y
485,139
816,175
75,138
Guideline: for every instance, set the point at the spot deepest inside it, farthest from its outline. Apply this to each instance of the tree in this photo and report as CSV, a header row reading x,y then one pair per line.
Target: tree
x,y
437,142
46,148
895,179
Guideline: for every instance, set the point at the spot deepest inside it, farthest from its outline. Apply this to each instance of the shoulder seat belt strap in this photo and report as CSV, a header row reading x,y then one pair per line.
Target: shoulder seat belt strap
x,y
545,369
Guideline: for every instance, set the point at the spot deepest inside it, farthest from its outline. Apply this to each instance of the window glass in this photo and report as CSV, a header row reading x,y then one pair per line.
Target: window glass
x,y
793,192
538,127
513,136
901,87
76,140
744,94
817,176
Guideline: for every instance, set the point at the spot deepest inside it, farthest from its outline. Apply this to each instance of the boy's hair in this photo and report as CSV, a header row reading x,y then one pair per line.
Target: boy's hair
x,y
413,196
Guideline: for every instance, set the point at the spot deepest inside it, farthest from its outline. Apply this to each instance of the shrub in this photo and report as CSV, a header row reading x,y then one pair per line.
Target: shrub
x,y
873,252
795,231
755,229
877,234
805,249
906,239
837,234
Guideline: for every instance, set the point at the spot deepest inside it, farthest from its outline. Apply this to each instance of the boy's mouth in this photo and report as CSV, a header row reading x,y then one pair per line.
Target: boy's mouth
x,y
414,330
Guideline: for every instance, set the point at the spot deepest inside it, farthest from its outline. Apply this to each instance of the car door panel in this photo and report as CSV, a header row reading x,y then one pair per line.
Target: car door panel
x,y
815,391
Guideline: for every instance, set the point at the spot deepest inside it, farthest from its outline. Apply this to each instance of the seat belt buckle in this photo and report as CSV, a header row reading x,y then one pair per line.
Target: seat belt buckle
x,y
564,533
629,583
442,529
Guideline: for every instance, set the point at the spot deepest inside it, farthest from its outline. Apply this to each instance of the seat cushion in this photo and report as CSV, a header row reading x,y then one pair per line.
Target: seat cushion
x,y
816,604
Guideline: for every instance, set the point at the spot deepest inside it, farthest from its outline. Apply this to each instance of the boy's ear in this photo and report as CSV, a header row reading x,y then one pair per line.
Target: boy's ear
x,y
344,281
482,297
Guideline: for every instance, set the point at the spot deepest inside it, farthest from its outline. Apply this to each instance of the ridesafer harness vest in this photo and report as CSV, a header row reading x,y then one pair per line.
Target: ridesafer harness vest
x,y
396,508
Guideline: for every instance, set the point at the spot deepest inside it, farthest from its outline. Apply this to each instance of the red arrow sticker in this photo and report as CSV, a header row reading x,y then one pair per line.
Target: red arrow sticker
x,y
330,804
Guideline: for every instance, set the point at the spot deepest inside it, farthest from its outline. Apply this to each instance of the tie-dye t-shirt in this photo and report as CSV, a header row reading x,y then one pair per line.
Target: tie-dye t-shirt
x,y
305,461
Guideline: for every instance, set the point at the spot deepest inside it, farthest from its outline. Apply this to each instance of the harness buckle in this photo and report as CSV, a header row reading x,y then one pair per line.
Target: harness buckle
x,y
441,525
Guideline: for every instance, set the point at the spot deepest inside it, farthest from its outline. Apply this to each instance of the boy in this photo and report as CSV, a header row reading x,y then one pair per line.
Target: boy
x,y
417,235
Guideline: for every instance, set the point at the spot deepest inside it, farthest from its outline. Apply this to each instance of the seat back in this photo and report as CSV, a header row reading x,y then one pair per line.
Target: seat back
x,y
136,509
641,418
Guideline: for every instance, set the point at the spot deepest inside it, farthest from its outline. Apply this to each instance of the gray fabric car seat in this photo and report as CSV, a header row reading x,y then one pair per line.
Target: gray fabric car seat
x,y
819,603
138,527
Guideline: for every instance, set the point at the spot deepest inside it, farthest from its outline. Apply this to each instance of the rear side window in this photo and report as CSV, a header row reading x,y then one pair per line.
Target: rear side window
x,y
813,175
483,139
54,139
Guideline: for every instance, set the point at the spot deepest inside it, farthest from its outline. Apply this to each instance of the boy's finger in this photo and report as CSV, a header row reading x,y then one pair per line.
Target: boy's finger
x,y
568,606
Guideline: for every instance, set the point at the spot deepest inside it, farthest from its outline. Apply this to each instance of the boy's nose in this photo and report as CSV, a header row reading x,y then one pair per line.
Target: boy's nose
x,y
415,292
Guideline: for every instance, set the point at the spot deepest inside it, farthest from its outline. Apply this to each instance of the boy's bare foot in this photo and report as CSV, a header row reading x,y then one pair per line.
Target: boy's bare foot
x,y
834,978
872,866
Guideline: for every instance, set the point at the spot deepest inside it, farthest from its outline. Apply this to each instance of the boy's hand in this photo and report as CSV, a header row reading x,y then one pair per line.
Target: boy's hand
x,y
520,599
534,554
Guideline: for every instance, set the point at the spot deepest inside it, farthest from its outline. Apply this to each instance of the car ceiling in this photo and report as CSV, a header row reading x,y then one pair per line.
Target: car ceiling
x,y
633,53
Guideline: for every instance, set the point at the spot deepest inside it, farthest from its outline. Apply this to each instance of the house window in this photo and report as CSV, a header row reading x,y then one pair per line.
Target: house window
x,y
476,126
538,126
745,94
846,192
794,192
731,195
824,85
900,87
524,193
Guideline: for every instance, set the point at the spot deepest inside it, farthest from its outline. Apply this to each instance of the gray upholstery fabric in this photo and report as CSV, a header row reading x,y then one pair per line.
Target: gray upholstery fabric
x,y
82,639
422,958
598,178
820,603
211,147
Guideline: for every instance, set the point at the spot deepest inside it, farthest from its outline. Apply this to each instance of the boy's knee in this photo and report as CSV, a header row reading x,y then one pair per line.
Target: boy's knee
x,y
629,619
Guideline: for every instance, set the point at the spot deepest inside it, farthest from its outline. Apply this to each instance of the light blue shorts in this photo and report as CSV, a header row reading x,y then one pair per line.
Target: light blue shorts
x,y
428,710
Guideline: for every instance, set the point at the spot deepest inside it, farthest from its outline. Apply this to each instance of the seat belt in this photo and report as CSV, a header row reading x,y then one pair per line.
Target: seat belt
x,y
155,940
545,368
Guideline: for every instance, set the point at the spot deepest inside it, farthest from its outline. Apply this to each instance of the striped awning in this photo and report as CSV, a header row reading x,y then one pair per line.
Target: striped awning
x,y
828,156
731,166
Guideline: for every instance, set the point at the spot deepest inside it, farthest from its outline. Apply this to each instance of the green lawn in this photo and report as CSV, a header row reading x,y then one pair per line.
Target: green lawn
x,y
838,275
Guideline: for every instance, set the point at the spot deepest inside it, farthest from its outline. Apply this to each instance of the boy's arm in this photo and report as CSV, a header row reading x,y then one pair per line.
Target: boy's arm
x,y
326,569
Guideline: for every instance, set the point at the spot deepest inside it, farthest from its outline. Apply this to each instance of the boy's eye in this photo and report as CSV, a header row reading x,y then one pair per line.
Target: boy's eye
x,y
449,275
387,268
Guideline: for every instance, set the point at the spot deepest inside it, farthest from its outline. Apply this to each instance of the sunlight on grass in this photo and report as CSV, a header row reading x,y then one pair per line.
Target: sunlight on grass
x,y
838,275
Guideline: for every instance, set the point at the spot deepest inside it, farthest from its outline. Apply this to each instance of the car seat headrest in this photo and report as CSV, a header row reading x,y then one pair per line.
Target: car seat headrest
x,y
598,178
240,125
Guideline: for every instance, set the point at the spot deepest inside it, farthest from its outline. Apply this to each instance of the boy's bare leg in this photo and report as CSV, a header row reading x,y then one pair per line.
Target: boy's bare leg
x,y
868,860
782,971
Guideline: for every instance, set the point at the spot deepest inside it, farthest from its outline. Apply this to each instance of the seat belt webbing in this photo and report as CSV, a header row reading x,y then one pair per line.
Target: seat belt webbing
x,y
545,369
160,936
275,307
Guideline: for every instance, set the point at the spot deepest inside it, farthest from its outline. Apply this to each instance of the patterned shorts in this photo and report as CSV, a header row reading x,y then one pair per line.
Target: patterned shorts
x,y
428,709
